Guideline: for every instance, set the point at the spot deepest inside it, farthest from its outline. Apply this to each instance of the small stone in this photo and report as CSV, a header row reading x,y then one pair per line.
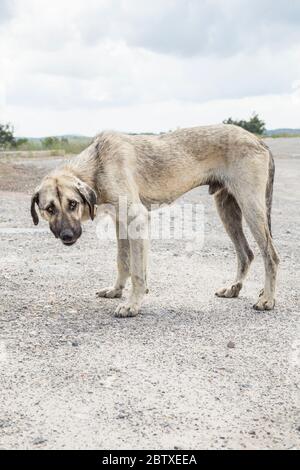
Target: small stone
x,y
231,345
75,344
39,440
4,424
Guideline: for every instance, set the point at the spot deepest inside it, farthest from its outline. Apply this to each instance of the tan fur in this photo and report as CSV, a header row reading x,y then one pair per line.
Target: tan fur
x,y
159,169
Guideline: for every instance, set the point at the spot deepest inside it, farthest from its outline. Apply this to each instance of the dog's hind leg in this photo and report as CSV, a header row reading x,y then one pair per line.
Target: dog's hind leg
x,y
251,197
231,216
254,211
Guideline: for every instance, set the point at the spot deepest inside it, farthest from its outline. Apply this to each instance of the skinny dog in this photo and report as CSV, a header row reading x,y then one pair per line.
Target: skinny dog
x,y
236,165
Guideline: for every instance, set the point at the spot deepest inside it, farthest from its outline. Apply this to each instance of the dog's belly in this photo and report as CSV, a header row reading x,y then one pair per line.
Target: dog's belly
x,y
165,183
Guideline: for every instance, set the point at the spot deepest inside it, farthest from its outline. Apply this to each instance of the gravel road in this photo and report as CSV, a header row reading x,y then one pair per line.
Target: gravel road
x,y
191,371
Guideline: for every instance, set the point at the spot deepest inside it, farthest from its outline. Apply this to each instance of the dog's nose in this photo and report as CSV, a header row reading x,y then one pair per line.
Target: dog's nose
x,y
67,236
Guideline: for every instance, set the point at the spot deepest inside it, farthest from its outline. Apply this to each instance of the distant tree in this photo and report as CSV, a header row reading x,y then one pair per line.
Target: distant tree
x,y
21,141
254,124
7,136
50,142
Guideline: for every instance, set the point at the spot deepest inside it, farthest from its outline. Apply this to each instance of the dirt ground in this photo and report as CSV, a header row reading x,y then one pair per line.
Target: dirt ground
x,y
74,376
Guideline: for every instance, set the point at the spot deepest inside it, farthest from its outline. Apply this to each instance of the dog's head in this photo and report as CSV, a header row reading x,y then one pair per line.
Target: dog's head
x,y
65,202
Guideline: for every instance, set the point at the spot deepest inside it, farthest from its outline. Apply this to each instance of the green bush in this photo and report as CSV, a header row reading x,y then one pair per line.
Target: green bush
x,y
254,124
67,145
51,143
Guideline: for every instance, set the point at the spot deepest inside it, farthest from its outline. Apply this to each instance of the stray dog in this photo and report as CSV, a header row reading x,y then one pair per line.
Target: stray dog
x,y
236,165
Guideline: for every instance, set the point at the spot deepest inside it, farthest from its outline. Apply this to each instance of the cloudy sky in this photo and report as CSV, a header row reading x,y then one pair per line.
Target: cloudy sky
x,y
80,66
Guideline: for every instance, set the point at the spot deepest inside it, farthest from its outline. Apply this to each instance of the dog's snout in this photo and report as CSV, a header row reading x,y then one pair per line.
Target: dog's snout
x,y
67,236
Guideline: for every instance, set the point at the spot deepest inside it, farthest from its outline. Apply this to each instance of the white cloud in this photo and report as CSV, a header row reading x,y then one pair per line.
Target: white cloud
x,y
139,65
191,27
6,10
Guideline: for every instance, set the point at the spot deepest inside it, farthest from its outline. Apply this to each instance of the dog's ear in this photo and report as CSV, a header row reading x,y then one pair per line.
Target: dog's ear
x,y
34,201
89,197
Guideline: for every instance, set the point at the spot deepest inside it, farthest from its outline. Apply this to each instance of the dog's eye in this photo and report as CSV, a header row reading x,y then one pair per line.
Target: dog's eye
x,y
50,210
73,205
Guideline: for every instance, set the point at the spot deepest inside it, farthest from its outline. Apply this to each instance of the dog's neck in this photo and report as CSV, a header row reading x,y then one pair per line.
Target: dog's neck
x,y
87,167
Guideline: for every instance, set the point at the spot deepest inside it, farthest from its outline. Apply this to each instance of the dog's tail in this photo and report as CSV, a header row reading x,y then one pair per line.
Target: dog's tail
x,y
269,189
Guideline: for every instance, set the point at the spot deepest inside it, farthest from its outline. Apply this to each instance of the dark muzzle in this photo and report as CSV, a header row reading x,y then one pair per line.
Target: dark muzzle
x,y
68,237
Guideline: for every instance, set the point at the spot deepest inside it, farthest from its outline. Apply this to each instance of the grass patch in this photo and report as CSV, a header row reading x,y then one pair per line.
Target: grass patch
x,y
282,135
55,144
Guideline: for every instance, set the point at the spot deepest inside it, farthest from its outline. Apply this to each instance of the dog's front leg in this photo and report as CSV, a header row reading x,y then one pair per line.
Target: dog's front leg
x,y
123,263
138,271
138,242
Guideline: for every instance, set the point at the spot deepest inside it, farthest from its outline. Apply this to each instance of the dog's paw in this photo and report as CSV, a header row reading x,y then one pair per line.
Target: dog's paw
x,y
230,292
264,303
126,310
110,293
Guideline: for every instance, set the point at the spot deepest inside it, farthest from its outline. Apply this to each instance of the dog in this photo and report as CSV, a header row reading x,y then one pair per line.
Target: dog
x,y
236,165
